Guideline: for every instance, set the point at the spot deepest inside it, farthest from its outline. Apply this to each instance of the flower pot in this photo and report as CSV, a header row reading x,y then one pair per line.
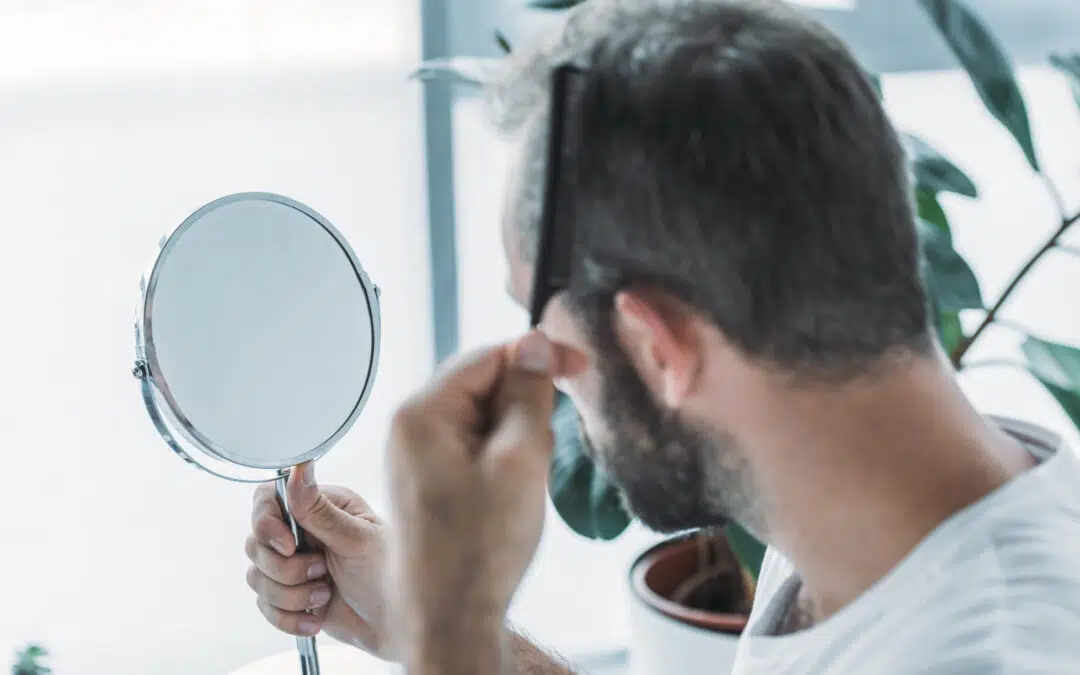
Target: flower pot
x,y
670,637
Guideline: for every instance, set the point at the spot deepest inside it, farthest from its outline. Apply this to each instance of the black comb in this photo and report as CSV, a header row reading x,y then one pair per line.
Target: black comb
x,y
555,253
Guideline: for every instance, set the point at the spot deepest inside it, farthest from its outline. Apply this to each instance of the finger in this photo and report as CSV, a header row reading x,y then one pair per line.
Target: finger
x,y
319,516
294,623
345,625
350,502
456,401
289,598
292,570
525,399
268,523
468,382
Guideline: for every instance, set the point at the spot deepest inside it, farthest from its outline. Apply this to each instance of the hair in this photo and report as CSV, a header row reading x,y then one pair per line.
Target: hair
x,y
734,155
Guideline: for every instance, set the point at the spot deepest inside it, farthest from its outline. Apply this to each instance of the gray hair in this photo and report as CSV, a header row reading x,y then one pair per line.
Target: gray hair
x,y
516,98
735,156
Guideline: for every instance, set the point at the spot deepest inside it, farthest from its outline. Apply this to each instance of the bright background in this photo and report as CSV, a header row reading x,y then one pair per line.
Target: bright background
x,y
118,118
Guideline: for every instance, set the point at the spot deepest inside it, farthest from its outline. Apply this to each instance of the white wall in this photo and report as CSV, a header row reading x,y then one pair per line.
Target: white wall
x,y
113,552
576,596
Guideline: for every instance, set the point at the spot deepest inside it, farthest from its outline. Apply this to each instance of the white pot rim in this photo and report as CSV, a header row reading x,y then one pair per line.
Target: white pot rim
x,y
700,620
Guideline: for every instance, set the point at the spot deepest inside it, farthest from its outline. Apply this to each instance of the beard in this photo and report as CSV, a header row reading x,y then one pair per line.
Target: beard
x,y
672,475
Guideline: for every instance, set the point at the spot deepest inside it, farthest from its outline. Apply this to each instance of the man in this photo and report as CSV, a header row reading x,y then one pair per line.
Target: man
x,y
745,337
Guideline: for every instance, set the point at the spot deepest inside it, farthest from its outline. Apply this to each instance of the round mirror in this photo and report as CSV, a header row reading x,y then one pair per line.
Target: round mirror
x,y
258,331
256,341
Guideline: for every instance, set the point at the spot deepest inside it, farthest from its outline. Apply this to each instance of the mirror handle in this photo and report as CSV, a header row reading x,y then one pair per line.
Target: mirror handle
x,y
309,655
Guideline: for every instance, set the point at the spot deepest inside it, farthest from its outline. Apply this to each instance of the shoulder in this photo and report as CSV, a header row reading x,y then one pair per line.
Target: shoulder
x,y
1015,621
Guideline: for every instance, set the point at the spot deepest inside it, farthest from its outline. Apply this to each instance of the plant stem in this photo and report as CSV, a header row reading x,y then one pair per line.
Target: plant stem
x,y
965,344
1055,195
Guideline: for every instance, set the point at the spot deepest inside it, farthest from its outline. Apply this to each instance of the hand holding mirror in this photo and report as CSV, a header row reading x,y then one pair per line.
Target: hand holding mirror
x,y
256,342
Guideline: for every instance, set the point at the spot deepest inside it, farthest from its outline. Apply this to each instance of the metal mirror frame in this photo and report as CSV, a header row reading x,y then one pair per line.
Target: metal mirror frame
x,y
165,413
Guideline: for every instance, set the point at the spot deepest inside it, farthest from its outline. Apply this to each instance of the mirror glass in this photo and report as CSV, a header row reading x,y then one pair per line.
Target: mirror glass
x,y
260,331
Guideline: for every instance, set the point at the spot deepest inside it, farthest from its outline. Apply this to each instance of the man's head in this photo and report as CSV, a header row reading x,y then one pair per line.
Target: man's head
x,y
743,224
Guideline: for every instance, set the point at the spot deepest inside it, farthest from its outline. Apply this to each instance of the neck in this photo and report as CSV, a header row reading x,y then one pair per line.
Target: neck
x,y
853,478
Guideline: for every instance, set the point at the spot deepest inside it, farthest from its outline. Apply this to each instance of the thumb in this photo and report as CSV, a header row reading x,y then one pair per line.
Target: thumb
x,y
316,514
525,397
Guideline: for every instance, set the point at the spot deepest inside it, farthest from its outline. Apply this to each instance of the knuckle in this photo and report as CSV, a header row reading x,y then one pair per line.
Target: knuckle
x,y
252,578
277,568
293,571
262,492
405,412
283,621
295,599
271,613
403,423
411,419
520,460
265,527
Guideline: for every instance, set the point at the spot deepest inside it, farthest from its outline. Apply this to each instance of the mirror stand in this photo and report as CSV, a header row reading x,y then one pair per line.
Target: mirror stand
x,y
305,646
262,270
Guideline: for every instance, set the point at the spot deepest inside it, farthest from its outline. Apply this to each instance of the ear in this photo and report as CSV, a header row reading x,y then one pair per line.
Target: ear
x,y
660,336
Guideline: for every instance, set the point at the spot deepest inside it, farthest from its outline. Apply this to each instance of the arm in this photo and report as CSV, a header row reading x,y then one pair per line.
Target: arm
x,y
528,659
469,459
469,649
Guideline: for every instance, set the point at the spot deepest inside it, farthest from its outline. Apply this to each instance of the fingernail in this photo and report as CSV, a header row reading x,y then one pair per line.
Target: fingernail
x,y
279,547
320,596
533,353
316,570
309,626
307,473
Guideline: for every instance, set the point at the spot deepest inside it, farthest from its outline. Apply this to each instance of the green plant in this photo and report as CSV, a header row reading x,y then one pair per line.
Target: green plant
x,y
589,503
28,661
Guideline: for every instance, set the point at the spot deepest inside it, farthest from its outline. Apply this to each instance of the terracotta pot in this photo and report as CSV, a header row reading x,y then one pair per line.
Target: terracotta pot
x,y
667,637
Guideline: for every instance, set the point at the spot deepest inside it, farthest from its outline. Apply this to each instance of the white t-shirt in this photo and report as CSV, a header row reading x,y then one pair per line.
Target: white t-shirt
x,y
995,589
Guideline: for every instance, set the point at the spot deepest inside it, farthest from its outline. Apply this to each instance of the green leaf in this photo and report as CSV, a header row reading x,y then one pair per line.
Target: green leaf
x,y
460,70
928,208
749,551
1069,65
27,661
1057,367
503,43
950,331
986,63
583,496
949,277
933,172
554,4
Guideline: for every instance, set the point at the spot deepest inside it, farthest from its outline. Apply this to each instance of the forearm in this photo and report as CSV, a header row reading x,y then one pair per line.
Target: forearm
x,y
492,651
525,658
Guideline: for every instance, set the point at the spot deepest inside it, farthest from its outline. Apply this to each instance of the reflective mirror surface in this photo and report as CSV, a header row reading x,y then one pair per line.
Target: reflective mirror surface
x,y
259,332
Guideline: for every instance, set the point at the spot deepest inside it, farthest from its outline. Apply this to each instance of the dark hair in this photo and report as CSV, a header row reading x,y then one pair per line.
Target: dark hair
x,y
735,155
